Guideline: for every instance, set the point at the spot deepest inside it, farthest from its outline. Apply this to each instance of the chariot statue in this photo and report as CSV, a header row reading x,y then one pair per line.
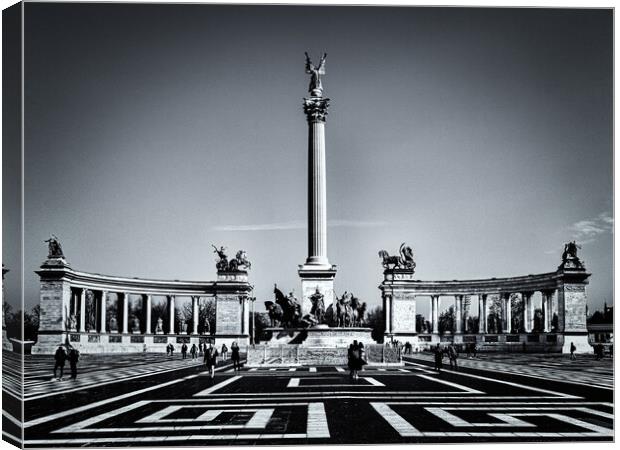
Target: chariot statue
x,y
224,265
570,260
316,87
54,248
403,261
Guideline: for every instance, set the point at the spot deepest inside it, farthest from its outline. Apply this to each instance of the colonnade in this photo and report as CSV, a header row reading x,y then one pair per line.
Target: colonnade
x,y
460,314
79,311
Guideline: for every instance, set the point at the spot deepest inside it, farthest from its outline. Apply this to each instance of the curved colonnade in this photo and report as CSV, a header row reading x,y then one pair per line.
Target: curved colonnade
x,y
74,309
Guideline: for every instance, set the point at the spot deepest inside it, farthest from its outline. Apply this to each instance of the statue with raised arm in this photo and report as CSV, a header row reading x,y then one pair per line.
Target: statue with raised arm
x,y
222,263
316,87
54,248
570,260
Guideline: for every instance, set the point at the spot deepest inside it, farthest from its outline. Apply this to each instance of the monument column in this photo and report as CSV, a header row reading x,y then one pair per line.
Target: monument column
x,y
125,312
195,300
316,273
102,310
83,311
147,306
545,311
171,314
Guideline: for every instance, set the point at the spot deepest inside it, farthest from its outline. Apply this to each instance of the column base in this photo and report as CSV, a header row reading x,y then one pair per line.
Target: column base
x,y
579,339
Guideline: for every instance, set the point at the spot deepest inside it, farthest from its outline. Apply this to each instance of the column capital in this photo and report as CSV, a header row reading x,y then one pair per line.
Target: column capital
x,y
316,109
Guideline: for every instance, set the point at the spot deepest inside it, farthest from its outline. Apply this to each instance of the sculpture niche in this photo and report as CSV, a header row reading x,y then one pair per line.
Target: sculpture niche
x,y
234,265
285,312
403,261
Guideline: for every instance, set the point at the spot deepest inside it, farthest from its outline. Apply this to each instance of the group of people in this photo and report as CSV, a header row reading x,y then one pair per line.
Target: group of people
x,y
356,359
599,351
211,354
451,352
72,355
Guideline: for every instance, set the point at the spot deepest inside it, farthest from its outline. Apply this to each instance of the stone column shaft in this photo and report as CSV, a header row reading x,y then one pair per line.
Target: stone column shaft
x,y
458,313
435,313
171,313
195,309
125,313
147,306
507,304
317,195
102,316
83,311
545,311
482,313
527,312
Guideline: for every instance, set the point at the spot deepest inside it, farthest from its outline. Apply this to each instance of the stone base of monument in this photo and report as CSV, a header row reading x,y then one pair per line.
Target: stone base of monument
x,y
320,336
506,343
95,343
301,355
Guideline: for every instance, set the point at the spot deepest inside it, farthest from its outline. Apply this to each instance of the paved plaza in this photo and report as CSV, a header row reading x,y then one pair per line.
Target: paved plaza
x,y
491,398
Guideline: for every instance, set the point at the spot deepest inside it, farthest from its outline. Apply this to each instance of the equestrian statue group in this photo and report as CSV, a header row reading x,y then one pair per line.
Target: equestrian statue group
x,y
234,265
285,312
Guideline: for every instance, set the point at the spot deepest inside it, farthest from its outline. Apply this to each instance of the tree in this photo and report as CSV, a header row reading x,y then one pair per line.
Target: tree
x,y
517,307
376,321
31,323
539,323
494,319
446,320
261,321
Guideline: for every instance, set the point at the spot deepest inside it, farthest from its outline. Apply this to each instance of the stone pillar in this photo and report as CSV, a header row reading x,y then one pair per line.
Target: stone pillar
x,y
550,309
391,313
458,314
102,312
435,313
246,316
146,304
386,312
507,305
195,316
545,311
482,313
125,313
171,314
528,314
316,111
83,311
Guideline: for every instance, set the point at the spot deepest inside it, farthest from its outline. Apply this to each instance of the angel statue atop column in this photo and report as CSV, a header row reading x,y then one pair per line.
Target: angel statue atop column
x,y
316,88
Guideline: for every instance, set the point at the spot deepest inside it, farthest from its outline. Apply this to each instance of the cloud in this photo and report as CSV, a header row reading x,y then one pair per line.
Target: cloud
x,y
299,225
586,231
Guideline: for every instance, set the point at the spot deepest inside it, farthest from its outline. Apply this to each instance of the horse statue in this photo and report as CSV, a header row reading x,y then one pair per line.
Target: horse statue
x,y
54,247
291,311
358,311
275,313
344,310
569,256
240,260
404,260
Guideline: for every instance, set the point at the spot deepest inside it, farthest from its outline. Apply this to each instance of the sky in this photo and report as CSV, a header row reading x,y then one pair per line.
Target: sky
x,y
481,137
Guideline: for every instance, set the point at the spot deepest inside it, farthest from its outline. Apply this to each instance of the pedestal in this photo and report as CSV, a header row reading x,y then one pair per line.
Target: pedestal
x,y
316,278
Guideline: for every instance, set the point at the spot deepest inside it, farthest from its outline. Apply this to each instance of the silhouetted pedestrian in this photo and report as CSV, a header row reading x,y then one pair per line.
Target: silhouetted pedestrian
x,y
73,358
224,352
210,359
453,355
59,357
572,351
193,351
234,348
438,358
184,350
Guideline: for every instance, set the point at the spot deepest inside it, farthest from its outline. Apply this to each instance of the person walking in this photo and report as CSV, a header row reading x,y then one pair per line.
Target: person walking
x,y
184,350
193,351
234,348
362,361
353,360
438,358
73,358
224,352
59,357
453,355
572,351
210,360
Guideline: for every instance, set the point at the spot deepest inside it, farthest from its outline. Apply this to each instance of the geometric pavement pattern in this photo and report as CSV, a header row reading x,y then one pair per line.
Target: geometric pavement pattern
x,y
322,405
